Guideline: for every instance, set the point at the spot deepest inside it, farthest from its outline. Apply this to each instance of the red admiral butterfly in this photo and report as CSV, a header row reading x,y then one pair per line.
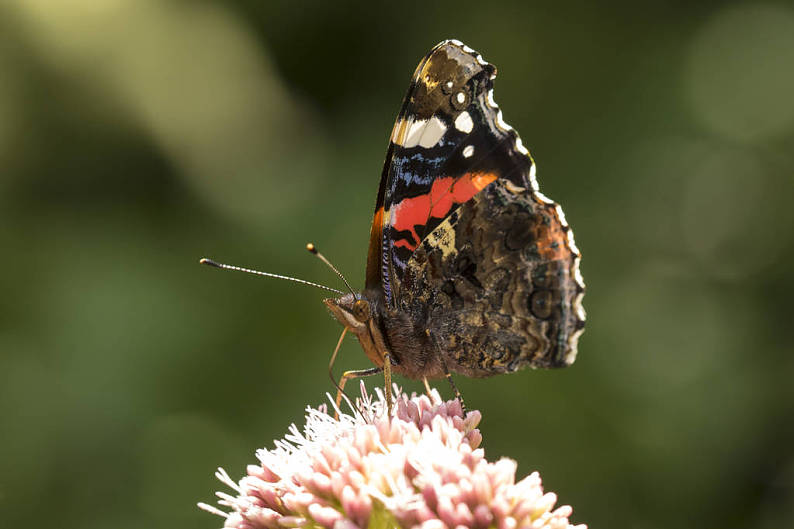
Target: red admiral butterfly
x,y
470,268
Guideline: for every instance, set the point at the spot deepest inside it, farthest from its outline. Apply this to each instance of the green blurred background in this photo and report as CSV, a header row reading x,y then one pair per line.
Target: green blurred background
x,y
138,135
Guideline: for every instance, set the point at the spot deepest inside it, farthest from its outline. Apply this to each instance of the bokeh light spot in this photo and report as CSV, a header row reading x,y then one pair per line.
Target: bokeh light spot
x,y
194,78
739,76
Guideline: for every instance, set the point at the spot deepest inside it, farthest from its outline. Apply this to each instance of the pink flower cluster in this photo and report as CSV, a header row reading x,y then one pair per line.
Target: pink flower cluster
x,y
421,469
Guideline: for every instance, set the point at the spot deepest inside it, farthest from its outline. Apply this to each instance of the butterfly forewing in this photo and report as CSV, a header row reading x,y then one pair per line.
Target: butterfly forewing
x,y
425,176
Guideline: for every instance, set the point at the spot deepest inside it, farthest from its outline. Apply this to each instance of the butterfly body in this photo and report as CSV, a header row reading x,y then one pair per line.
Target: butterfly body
x,y
470,269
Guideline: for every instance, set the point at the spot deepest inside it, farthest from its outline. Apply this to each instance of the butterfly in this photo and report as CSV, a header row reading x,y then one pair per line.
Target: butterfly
x,y
471,269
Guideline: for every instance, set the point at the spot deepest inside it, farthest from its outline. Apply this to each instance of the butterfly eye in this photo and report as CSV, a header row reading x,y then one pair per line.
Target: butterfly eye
x,y
460,99
361,310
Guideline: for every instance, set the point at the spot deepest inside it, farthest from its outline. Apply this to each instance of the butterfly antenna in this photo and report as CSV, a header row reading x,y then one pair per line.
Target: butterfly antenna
x,y
210,262
313,249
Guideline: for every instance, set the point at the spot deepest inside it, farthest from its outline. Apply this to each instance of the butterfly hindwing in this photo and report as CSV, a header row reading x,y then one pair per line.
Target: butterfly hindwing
x,y
495,285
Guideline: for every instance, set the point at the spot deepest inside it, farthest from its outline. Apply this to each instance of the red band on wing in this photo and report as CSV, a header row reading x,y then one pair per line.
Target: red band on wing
x,y
444,194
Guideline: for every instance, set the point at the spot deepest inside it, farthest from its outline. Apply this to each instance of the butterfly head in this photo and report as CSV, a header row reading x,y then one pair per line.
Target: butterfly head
x,y
359,315
352,311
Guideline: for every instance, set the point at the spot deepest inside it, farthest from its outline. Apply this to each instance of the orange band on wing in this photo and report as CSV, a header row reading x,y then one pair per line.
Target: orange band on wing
x,y
375,249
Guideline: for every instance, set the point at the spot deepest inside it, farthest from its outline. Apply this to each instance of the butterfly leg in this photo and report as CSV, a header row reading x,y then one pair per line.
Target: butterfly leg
x,y
340,393
427,386
340,388
448,375
333,358
387,377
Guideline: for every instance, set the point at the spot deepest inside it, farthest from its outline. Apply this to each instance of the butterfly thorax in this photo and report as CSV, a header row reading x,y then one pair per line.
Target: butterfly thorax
x,y
380,330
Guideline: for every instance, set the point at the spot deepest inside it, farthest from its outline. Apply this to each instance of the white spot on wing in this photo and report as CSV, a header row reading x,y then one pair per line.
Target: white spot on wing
x,y
561,215
423,132
434,130
520,147
572,243
489,99
573,343
468,151
500,122
464,123
577,275
415,130
577,304
532,179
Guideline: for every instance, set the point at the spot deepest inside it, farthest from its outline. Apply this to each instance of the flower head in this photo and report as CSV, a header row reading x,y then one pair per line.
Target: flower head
x,y
422,468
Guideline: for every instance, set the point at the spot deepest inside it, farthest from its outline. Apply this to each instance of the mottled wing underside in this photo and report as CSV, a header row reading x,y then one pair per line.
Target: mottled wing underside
x,y
498,285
